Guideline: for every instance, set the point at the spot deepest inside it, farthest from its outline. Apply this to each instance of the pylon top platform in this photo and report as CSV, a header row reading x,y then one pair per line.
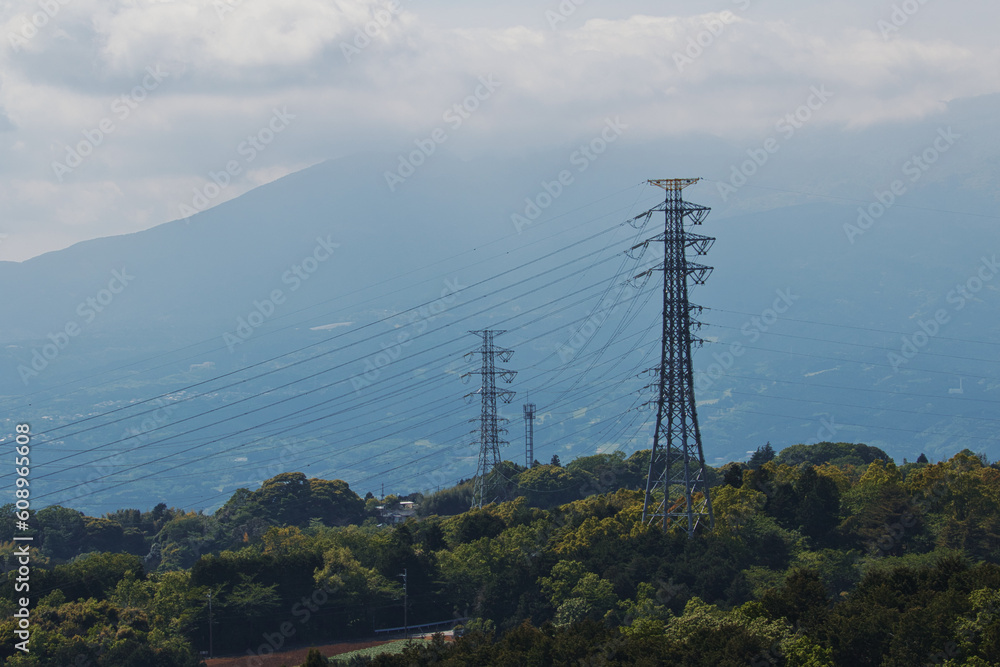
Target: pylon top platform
x,y
673,183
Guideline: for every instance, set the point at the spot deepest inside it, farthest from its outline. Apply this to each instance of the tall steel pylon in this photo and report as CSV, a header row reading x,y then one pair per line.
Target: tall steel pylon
x,y
485,489
676,487
529,434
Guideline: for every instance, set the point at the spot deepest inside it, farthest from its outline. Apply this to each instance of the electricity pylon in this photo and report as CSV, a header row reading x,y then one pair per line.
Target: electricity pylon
x,y
676,487
485,489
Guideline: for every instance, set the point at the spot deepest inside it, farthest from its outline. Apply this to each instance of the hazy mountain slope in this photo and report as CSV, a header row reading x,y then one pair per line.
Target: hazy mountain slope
x,y
828,376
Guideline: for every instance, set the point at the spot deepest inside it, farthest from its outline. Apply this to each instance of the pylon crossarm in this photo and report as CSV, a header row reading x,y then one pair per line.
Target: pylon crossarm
x,y
700,244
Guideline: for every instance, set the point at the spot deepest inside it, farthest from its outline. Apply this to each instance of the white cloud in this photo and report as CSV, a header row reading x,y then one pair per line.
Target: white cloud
x,y
226,74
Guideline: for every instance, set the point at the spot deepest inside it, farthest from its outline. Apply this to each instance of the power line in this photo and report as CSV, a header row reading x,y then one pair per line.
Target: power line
x,y
90,377
339,335
893,392
862,201
228,435
578,378
851,326
43,441
862,407
854,361
115,442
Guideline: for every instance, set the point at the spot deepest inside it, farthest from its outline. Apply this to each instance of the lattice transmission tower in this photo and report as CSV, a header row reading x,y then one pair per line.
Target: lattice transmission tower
x,y
486,485
676,487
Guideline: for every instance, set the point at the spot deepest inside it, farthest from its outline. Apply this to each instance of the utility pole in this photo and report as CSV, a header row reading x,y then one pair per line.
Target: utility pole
x,y
210,648
677,438
406,618
484,490
529,434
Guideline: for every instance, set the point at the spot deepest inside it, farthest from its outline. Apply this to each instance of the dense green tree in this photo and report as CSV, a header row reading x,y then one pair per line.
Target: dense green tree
x,y
603,473
576,594
732,475
255,587
977,632
315,659
761,456
428,534
735,506
448,502
802,599
354,588
968,495
284,498
473,525
837,453
818,510
103,534
334,503
551,485
91,575
881,516
292,499
808,564
97,633
62,530
183,539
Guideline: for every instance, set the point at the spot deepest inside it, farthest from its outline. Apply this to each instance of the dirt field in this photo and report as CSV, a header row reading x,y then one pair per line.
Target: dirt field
x,y
289,658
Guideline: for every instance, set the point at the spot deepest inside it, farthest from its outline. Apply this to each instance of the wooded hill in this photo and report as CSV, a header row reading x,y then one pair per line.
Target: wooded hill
x,y
823,555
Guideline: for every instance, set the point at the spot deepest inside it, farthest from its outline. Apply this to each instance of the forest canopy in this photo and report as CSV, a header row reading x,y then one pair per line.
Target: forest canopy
x,y
827,554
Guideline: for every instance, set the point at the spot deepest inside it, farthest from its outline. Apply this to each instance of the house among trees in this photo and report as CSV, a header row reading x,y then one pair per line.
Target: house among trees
x,y
400,512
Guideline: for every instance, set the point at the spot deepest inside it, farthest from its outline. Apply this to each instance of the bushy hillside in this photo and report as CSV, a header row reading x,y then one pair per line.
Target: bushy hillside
x,y
832,564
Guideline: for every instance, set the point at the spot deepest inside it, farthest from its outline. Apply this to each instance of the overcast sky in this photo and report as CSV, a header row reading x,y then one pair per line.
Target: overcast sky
x,y
112,113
